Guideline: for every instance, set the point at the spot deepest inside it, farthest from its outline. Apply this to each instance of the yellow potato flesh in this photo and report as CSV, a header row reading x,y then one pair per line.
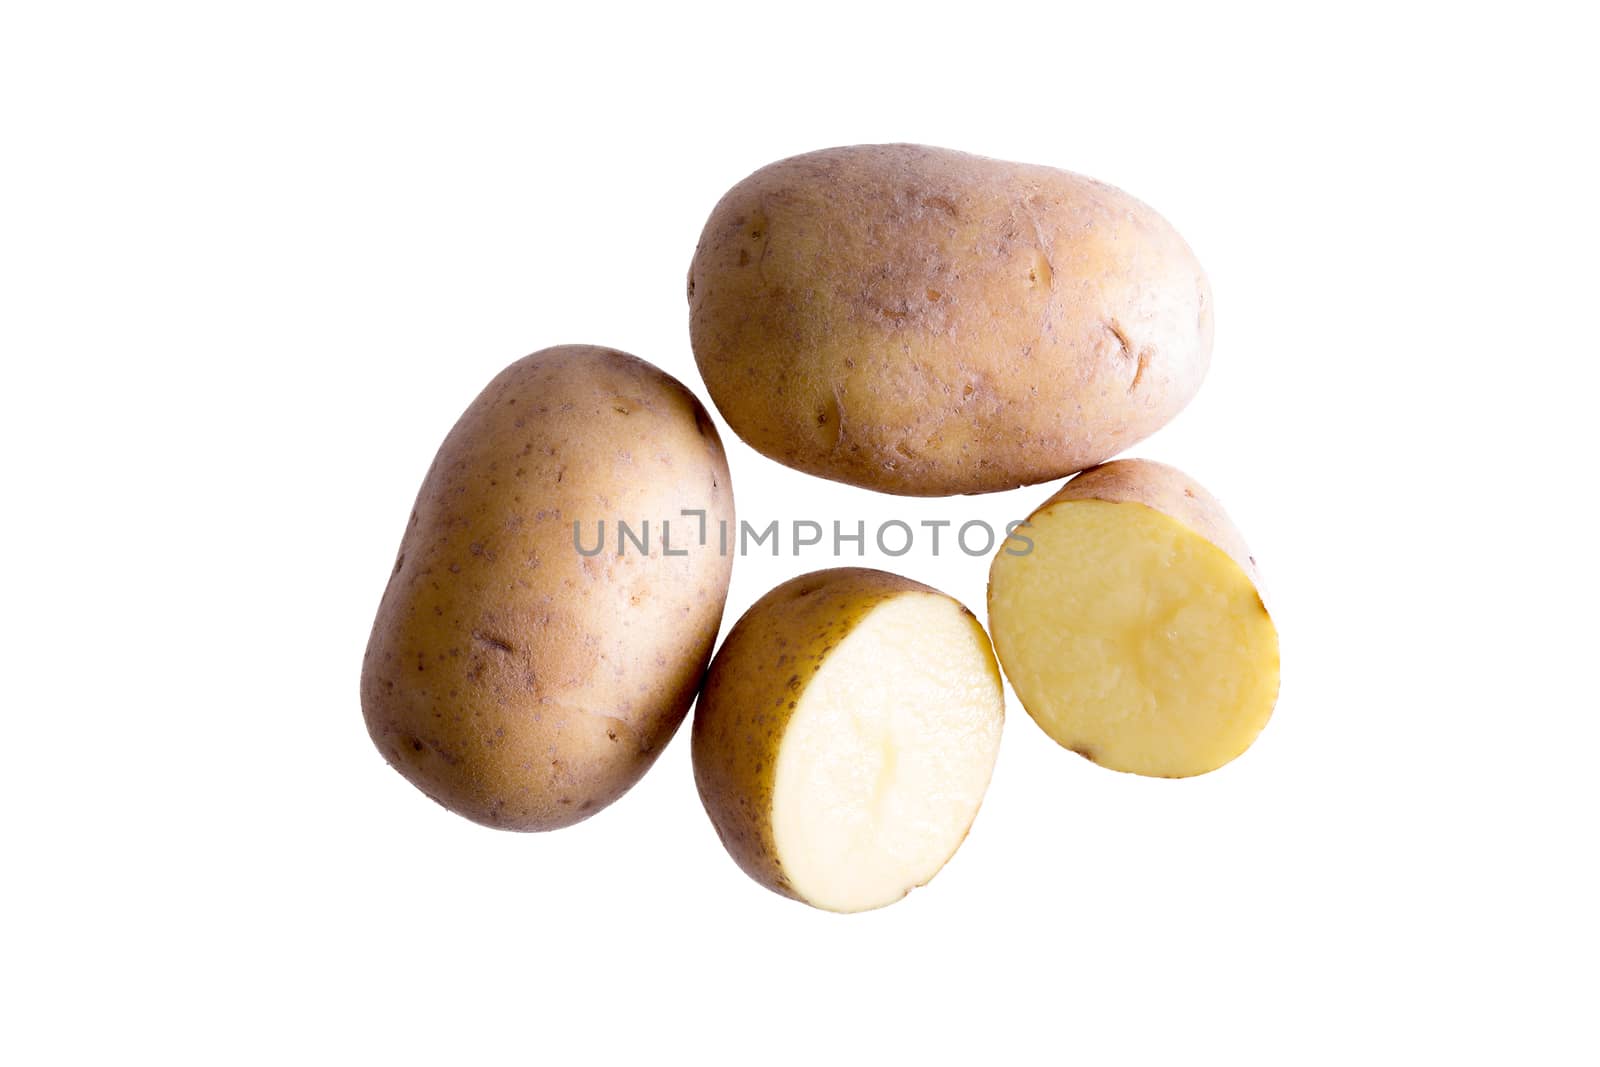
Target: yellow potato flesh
x,y
1134,641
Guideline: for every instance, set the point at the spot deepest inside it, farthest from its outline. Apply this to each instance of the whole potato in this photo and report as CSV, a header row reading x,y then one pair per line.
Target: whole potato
x,y
509,676
921,321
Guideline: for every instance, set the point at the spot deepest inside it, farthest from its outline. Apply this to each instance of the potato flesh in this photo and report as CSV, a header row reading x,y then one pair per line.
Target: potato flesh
x,y
886,758
1134,641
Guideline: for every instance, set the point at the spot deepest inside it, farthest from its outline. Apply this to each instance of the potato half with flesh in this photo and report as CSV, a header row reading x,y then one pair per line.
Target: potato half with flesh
x,y
927,322
846,735
1134,631
512,678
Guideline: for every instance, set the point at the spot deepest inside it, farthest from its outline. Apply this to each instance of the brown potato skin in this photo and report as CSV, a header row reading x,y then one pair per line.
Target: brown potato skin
x,y
1167,490
510,678
751,691
925,322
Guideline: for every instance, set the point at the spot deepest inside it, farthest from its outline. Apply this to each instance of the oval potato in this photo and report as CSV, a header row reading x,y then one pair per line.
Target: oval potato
x,y
926,322
512,678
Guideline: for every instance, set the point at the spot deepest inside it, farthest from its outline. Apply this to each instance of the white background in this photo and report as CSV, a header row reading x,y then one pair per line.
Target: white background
x,y
254,264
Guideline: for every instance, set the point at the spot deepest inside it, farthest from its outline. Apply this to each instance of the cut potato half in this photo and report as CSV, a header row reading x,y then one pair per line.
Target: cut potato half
x,y
846,736
1133,631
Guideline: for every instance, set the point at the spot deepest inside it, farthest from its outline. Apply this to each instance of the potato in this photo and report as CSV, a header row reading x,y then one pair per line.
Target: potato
x,y
926,322
510,677
846,735
1129,619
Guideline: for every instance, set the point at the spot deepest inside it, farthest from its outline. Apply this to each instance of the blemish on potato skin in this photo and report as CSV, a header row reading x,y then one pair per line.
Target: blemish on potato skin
x,y
1138,372
1116,331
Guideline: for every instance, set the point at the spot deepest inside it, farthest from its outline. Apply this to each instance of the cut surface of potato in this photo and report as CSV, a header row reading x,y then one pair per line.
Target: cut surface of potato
x,y
1132,639
846,735
887,755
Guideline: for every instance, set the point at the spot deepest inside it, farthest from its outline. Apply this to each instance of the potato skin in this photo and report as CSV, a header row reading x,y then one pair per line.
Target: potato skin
x,y
926,322
751,691
510,678
1167,490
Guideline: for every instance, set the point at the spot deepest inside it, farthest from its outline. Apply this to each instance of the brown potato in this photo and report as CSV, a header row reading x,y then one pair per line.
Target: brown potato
x,y
511,677
1129,618
846,734
926,322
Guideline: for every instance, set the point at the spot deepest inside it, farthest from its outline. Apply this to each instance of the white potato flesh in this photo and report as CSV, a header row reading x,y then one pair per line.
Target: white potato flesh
x,y
886,758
